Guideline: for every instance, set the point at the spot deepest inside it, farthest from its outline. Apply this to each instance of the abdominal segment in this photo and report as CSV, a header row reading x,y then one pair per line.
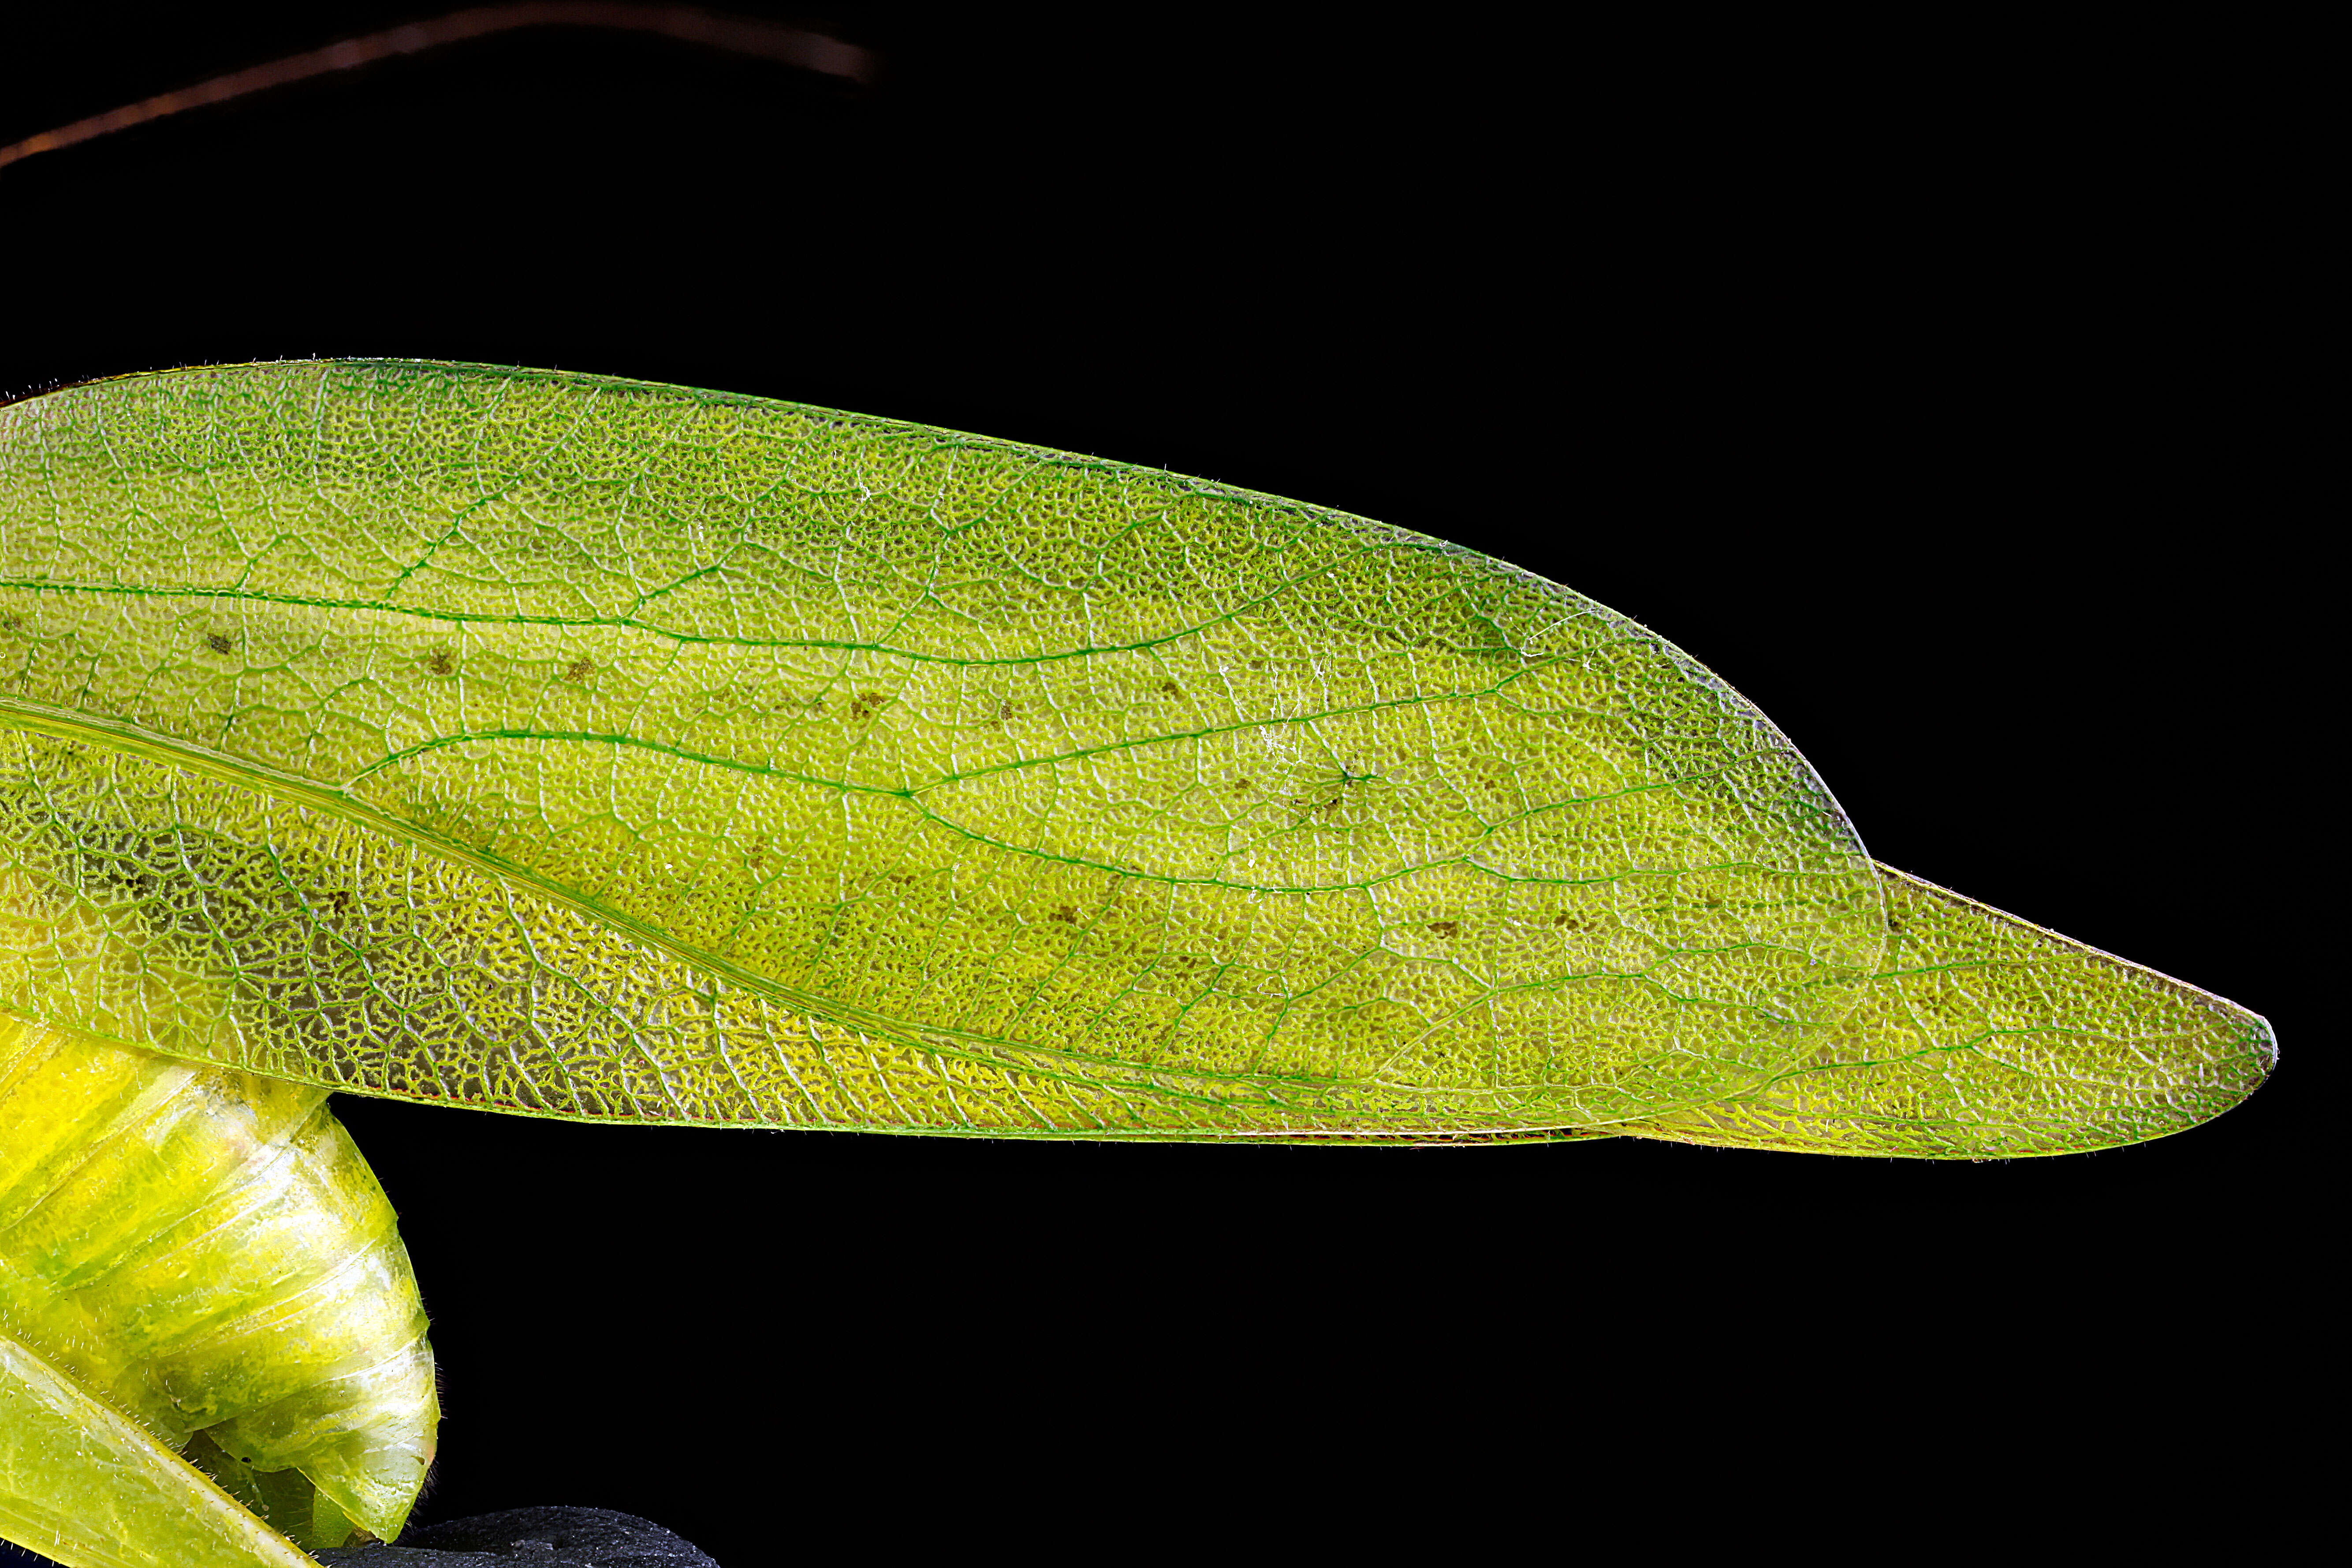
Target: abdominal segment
x,y
207,1251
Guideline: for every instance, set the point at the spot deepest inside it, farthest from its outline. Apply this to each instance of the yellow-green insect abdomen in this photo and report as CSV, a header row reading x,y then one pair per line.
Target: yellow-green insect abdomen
x,y
206,1251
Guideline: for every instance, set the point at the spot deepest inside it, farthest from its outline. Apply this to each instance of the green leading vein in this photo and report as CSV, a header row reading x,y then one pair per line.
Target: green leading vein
x,y
958,786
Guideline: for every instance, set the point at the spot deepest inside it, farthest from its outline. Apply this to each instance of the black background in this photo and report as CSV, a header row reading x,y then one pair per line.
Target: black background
x,y
1915,382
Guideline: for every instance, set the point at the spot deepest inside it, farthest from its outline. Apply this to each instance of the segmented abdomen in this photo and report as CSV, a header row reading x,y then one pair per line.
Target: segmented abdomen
x,y
208,1250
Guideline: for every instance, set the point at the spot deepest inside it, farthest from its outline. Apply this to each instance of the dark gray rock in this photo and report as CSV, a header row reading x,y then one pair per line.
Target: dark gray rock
x,y
530,1538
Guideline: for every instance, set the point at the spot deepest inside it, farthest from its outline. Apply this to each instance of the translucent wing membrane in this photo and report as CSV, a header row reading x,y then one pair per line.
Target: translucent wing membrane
x,y
587,748
582,748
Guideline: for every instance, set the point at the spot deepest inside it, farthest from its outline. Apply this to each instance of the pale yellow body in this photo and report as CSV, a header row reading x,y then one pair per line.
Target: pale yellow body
x,y
205,1255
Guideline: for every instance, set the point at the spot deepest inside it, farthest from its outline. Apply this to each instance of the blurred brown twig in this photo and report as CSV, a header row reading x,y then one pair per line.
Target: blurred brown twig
x,y
739,35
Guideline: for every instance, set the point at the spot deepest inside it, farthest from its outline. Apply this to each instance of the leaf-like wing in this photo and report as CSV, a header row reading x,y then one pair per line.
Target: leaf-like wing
x,y
599,749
